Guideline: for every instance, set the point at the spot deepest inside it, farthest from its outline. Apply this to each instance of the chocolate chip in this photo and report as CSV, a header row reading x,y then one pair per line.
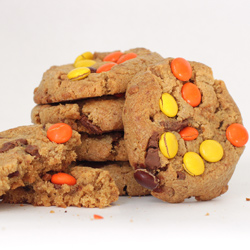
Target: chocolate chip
x,y
181,175
92,70
152,159
146,179
153,140
12,144
7,146
172,125
88,124
22,141
33,150
16,173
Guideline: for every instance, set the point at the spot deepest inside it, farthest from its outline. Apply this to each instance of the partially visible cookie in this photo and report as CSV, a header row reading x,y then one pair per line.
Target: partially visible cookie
x,y
123,175
93,188
100,148
176,163
26,152
93,116
57,87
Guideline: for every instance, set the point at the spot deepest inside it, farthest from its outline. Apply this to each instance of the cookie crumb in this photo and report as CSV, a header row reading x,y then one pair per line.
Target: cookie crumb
x,y
65,211
52,211
247,199
207,214
97,217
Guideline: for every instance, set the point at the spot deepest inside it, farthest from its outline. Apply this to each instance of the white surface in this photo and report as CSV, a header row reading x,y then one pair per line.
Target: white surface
x,y
38,34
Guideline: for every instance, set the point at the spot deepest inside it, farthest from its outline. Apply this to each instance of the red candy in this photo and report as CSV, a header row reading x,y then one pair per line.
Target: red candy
x,y
181,69
237,134
126,57
191,94
59,132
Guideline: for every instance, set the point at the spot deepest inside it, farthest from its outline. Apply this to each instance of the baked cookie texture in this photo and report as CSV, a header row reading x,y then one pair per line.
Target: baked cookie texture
x,y
26,153
100,148
123,175
93,116
56,87
94,188
144,123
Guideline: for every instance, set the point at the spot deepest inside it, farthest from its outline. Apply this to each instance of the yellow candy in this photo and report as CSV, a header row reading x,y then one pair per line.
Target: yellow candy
x,y
168,105
193,163
84,56
78,73
211,150
84,63
168,145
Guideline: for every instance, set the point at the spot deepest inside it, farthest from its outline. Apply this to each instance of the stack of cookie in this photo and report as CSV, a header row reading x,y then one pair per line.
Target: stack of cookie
x,y
124,123
93,107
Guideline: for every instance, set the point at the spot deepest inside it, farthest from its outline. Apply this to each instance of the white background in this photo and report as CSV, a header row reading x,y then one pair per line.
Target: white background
x,y
38,34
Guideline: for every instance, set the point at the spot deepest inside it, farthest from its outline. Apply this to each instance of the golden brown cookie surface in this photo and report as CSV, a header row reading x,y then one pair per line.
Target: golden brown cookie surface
x,y
57,87
152,127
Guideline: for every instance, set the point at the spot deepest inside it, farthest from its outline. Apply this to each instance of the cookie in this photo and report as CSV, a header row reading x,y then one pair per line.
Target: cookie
x,y
93,116
176,120
123,175
100,148
93,188
57,87
26,152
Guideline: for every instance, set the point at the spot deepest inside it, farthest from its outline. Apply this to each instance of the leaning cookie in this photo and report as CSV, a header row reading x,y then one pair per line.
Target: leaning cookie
x,y
82,187
123,175
93,116
70,82
26,152
183,131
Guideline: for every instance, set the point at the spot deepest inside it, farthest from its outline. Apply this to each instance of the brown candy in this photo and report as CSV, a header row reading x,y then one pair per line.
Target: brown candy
x,y
146,179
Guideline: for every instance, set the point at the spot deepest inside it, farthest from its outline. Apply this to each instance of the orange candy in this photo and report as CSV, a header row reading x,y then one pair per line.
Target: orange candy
x,y
126,57
63,178
181,69
105,67
59,132
191,94
97,217
113,57
237,134
189,133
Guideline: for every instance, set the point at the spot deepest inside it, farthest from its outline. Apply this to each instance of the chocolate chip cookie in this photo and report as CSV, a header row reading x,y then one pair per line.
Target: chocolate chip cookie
x,y
57,87
26,152
93,188
93,116
177,120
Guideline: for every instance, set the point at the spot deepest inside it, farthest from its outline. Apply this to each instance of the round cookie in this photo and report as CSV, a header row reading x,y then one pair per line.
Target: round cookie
x,y
165,143
57,87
